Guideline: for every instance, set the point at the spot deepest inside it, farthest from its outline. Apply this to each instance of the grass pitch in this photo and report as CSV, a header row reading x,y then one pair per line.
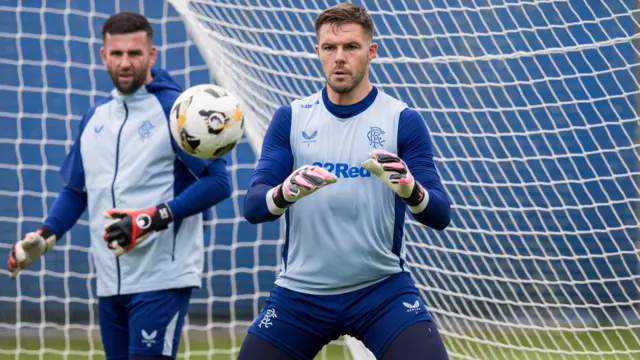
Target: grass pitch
x,y
577,345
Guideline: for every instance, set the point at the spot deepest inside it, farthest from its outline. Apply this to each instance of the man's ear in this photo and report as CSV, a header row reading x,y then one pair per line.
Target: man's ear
x,y
153,55
373,50
103,56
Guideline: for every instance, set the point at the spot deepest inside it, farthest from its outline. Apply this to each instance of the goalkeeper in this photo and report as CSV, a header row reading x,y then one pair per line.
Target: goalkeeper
x,y
369,157
124,165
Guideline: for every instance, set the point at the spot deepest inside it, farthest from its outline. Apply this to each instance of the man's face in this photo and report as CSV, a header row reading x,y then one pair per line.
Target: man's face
x,y
345,52
128,58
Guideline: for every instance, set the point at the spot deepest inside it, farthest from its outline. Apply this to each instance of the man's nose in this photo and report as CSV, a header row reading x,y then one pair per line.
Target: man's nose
x,y
340,55
126,62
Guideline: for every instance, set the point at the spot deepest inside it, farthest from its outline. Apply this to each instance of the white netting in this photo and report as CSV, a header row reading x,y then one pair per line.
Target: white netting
x,y
532,108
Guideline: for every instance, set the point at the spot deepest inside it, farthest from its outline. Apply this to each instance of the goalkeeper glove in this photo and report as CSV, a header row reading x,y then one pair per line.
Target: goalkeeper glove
x,y
27,250
396,175
132,226
305,180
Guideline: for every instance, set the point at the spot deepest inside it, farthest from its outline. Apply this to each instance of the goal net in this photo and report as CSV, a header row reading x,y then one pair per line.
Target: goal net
x,y
532,108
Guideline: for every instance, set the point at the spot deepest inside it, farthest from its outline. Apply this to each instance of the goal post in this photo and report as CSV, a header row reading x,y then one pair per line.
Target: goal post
x,y
532,106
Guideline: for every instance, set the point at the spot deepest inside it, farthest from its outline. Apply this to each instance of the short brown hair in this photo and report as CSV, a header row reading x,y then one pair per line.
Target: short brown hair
x,y
345,13
127,23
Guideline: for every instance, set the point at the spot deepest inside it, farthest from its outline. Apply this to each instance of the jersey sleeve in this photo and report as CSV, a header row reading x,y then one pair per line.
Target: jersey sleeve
x,y
195,165
212,187
72,170
275,164
66,210
416,149
72,200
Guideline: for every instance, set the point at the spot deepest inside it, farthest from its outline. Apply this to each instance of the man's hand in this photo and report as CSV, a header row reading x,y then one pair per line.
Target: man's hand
x,y
305,180
132,226
395,174
27,250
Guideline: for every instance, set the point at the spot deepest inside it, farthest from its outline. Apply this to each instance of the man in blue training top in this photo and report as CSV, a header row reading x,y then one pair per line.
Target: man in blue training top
x,y
343,268
125,159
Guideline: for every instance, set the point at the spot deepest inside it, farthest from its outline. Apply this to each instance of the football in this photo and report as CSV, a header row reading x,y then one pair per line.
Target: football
x,y
206,121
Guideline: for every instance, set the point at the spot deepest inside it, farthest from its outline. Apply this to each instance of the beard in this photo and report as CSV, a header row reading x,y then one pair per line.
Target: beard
x,y
348,86
136,81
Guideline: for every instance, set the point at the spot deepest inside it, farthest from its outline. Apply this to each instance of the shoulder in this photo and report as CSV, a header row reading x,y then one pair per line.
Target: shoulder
x,y
164,88
166,98
281,122
98,104
390,102
411,122
283,113
307,102
409,115
92,110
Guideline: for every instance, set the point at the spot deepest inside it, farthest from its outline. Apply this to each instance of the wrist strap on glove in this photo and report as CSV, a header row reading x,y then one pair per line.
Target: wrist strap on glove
x,y
418,199
278,198
161,218
417,195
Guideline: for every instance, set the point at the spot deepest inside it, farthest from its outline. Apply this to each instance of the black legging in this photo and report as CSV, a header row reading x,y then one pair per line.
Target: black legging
x,y
420,341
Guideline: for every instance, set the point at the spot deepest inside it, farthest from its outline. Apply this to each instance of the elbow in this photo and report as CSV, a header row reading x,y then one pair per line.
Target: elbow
x,y
251,214
437,215
442,224
444,220
225,189
251,218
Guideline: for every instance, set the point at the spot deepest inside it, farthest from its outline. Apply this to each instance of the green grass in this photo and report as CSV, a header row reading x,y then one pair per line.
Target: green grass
x,y
198,349
549,345
536,345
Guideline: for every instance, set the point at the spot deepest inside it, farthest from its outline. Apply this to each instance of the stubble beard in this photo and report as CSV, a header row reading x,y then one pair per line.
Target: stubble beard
x,y
349,86
139,78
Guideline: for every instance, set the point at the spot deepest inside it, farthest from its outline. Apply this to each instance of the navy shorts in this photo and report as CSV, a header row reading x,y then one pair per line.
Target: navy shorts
x,y
301,324
148,323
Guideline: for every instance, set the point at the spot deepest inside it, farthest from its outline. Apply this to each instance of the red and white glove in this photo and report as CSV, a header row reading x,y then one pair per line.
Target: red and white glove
x,y
394,172
28,249
132,226
305,180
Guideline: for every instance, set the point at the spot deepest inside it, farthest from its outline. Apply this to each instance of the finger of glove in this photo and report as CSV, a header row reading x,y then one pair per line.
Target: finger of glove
x,y
117,249
373,166
383,156
406,180
326,176
19,253
303,182
315,178
290,190
30,241
12,263
114,234
12,260
396,166
14,274
397,178
117,222
115,214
